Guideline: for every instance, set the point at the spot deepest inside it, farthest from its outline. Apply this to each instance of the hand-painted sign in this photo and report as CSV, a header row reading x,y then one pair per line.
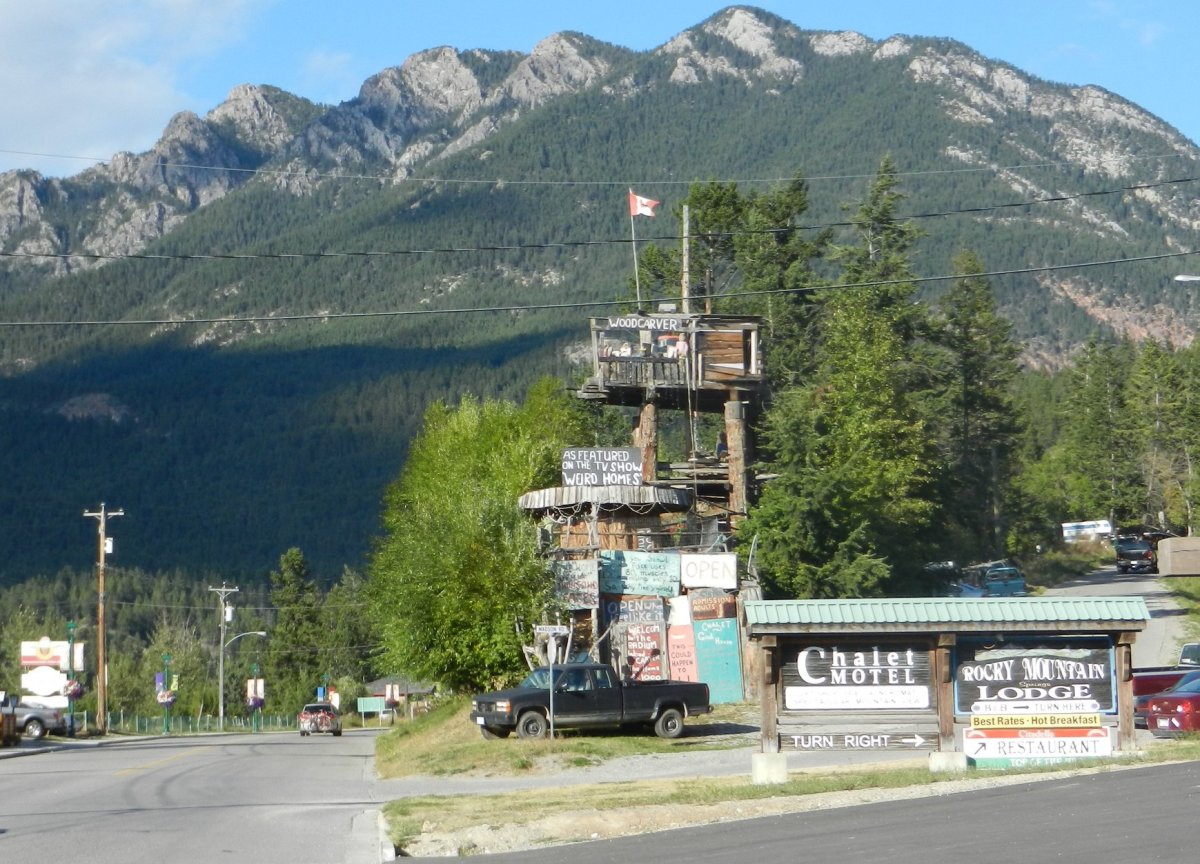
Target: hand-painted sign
x,y
633,611
642,573
577,583
857,677
608,466
1041,676
648,322
643,651
719,659
715,605
681,652
708,571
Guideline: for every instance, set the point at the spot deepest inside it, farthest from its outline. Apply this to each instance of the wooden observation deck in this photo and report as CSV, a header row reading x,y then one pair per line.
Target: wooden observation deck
x,y
682,362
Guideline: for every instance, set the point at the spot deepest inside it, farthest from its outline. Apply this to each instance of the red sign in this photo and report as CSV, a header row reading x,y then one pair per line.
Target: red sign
x,y
643,651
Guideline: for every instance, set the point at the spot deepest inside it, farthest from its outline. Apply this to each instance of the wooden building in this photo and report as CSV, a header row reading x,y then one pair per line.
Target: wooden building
x,y
642,545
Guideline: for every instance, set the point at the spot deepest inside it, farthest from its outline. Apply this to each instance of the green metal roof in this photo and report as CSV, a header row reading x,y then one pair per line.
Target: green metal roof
x,y
948,614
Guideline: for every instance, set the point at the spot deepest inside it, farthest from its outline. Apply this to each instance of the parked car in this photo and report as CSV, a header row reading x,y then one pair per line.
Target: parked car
x,y
1176,711
319,717
34,721
1004,582
588,695
1141,703
1136,555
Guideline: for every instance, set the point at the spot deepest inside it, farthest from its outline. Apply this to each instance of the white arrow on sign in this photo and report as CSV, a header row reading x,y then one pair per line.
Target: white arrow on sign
x,y
915,740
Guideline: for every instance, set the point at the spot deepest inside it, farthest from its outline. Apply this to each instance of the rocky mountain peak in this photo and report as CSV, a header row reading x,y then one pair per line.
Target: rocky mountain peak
x,y
745,30
556,66
253,118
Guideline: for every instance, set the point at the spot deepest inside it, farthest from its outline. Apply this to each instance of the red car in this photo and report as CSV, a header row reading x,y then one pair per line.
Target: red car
x,y
1175,711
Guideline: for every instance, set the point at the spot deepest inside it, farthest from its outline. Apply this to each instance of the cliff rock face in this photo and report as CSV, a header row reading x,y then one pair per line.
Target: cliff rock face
x,y
440,102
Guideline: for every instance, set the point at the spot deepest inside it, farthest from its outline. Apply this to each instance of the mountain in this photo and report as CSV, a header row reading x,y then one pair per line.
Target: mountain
x,y
233,335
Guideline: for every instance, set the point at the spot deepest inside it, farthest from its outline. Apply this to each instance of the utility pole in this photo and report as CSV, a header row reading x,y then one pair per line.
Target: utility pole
x,y
101,660
225,614
685,278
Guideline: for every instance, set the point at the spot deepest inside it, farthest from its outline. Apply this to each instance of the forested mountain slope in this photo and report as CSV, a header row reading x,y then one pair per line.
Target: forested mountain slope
x,y
234,411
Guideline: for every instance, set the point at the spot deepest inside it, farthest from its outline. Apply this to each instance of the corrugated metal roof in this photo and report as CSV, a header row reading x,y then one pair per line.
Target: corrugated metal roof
x,y
607,496
926,614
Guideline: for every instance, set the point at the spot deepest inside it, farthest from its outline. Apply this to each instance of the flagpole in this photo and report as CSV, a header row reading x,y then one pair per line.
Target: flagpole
x,y
637,281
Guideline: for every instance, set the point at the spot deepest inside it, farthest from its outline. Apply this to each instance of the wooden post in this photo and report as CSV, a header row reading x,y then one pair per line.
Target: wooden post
x,y
1124,671
769,695
647,439
943,681
735,433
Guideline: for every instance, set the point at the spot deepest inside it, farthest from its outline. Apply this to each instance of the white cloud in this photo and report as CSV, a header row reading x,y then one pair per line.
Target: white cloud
x,y
85,78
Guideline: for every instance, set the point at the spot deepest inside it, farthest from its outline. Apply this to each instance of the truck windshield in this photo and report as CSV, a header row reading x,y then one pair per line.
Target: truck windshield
x,y
538,679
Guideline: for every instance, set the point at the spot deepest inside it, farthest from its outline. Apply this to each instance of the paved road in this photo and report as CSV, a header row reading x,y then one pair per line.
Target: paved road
x,y
267,799
1158,644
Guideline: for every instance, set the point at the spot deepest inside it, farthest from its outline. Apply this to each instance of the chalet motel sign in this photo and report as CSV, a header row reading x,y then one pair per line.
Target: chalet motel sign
x,y
1023,698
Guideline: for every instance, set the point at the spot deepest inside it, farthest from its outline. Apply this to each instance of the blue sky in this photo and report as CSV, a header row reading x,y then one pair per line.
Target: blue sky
x,y
83,79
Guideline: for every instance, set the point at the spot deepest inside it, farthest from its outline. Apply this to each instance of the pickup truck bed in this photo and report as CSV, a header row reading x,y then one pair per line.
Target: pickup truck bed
x,y
587,695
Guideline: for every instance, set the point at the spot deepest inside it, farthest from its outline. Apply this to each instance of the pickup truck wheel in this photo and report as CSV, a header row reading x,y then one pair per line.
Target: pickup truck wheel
x,y
669,724
532,725
493,732
35,728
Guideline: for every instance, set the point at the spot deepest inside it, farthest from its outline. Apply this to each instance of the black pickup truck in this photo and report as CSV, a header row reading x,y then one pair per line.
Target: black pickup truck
x,y
587,695
1135,554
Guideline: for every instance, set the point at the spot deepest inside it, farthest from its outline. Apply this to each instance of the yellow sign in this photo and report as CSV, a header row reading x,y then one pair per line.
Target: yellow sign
x,y
1041,721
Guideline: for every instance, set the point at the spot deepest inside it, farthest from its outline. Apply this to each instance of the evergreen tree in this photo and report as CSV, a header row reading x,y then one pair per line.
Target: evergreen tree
x,y
854,498
981,423
1154,399
298,642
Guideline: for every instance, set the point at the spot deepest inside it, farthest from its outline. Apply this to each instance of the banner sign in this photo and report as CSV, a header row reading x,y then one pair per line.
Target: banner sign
x,y
708,571
609,466
1015,677
857,676
577,583
639,573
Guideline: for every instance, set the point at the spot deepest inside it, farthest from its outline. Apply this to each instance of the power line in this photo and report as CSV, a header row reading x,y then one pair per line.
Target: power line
x,y
570,244
542,307
485,181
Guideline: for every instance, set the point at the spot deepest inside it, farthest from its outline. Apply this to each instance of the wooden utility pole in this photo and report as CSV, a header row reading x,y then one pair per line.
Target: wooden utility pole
x,y
685,264
103,516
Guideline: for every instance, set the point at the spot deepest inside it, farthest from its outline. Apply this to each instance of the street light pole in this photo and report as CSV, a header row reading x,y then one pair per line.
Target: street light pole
x,y
101,660
221,666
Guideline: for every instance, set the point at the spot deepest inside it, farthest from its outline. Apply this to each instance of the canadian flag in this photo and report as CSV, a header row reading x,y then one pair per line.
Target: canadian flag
x,y
639,206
